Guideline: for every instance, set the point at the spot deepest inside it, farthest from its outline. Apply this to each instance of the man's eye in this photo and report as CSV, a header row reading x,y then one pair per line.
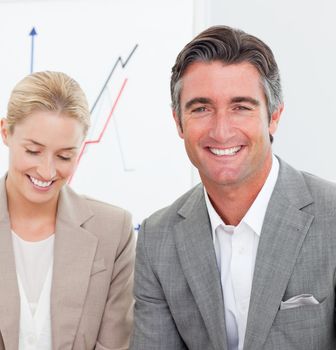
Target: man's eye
x,y
242,108
199,109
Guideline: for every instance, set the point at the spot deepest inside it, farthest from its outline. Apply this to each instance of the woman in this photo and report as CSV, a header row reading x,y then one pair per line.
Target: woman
x,y
66,261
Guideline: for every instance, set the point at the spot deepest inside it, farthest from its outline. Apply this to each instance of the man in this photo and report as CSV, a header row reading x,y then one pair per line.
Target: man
x,y
247,259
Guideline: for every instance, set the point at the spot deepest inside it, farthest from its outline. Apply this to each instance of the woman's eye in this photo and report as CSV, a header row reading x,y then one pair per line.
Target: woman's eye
x,y
64,158
29,151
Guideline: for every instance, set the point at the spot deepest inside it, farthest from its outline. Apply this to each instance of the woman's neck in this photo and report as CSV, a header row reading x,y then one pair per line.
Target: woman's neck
x,y
31,221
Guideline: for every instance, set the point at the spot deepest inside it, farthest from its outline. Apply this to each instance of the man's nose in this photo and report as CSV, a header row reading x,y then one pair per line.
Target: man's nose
x,y
221,128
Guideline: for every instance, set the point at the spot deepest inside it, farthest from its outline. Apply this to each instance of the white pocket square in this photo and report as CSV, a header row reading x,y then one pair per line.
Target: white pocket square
x,y
298,300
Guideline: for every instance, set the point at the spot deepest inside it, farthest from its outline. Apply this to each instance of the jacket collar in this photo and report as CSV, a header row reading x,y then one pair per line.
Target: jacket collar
x,y
283,232
197,256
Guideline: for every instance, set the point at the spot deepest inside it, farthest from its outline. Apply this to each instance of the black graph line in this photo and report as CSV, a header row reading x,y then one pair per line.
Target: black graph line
x,y
123,65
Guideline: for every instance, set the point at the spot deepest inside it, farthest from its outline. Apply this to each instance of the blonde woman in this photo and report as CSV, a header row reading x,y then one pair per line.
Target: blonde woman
x,y
66,261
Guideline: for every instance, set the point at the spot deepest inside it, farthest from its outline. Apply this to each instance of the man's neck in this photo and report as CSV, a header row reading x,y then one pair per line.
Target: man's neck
x,y
232,202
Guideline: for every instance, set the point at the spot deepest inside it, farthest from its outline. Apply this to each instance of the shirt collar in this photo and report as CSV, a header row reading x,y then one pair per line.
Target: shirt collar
x,y
254,217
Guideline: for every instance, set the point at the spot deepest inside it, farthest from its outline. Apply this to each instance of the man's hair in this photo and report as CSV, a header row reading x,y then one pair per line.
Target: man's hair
x,y
47,91
230,46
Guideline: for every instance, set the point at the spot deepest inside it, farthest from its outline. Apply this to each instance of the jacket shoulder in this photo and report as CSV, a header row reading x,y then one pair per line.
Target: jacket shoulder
x,y
102,208
99,217
164,218
322,191
95,206
305,190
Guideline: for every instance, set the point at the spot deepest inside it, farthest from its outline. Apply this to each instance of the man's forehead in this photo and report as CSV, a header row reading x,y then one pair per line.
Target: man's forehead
x,y
234,81
238,66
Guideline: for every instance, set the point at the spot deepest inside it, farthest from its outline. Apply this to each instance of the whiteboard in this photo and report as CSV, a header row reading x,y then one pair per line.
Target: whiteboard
x,y
121,52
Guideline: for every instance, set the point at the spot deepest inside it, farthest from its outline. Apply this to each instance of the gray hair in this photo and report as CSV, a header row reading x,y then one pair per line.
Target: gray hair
x,y
230,46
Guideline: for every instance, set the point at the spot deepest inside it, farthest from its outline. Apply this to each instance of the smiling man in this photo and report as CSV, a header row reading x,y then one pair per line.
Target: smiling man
x,y
245,260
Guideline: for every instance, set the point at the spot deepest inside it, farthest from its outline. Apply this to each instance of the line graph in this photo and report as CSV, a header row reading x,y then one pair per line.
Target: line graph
x,y
123,65
119,62
90,140
95,141
93,110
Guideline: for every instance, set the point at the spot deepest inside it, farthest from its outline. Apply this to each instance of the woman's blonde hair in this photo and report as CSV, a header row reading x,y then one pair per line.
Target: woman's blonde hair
x,y
47,91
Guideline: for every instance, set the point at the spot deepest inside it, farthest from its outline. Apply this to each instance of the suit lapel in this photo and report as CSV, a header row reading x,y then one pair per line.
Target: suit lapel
x,y
197,255
74,253
9,293
284,230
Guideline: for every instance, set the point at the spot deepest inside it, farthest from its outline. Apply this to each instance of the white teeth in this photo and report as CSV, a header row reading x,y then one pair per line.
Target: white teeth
x,y
226,151
40,183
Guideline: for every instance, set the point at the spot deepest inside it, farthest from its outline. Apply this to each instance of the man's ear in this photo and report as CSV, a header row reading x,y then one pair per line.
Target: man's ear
x,y
178,124
275,118
4,131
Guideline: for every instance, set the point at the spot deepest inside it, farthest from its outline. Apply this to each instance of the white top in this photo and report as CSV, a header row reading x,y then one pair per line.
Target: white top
x,y
236,250
34,261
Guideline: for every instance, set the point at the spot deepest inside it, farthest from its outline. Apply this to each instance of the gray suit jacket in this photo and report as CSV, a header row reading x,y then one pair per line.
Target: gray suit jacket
x,y
179,301
91,295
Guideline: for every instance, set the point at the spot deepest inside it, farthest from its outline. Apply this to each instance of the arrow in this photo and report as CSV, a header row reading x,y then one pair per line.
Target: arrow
x,y
32,34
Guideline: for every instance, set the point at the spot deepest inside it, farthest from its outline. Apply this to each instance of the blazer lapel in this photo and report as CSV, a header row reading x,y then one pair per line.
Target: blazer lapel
x,y
74,253
9,292
197,255
284,230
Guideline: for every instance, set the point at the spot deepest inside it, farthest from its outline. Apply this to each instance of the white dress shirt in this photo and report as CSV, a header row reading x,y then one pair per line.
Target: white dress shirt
x,y
34,261
236,250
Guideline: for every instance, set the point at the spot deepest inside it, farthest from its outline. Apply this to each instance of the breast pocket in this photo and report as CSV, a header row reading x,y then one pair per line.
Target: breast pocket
x,y
306,314
308,327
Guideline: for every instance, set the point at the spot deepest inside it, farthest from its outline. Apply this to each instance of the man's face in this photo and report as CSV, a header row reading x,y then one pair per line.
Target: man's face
x,y
224,123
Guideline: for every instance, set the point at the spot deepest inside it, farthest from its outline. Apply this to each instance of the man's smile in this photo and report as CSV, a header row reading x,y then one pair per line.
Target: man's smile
x,y
226,151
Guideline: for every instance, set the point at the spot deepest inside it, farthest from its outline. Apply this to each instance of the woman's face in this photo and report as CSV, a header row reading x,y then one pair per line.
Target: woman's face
x,y
43,150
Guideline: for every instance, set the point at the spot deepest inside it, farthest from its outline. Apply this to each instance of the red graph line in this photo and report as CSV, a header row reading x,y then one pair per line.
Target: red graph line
x,y
90,142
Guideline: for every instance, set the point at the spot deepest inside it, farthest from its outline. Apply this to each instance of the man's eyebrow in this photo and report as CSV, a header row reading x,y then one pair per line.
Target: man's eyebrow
x,y
248,99
196,100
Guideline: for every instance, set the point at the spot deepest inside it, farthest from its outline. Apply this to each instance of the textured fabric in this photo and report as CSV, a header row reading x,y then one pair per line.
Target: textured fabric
x,y
92,280
179,302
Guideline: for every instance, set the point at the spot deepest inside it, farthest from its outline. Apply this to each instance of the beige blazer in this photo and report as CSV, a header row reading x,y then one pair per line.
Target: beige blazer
x,y
91,295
